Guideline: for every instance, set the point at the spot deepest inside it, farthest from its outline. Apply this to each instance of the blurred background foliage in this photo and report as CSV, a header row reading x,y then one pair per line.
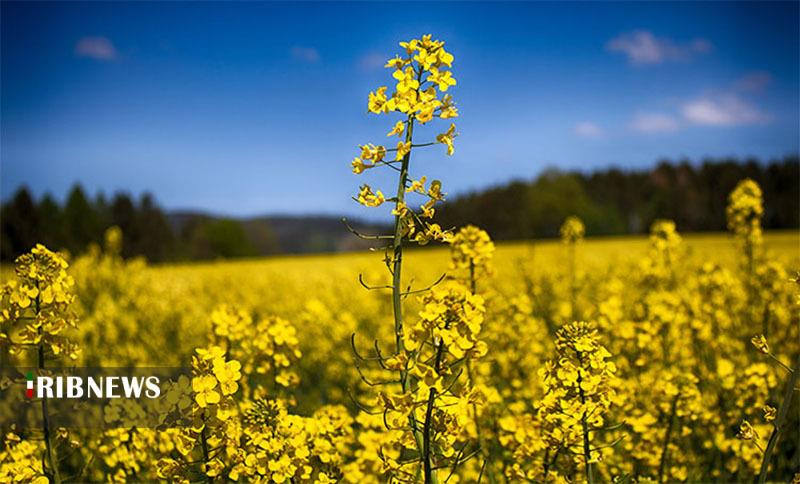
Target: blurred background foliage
x,y
610,202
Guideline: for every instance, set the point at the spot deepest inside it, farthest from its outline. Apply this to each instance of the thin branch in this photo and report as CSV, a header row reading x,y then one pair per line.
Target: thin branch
x,y
426,289
360,406
783,411
363,236
355,351
371,288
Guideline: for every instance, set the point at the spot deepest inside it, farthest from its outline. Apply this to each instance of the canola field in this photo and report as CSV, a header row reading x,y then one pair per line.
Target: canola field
x,y
686,375
644,359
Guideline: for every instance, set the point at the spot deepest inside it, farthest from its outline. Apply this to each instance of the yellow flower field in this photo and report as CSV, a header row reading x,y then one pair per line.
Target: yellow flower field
x,y
690,340
640,359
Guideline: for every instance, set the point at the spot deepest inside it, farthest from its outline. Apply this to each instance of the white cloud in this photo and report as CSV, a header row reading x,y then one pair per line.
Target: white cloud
x,y
587,129
729,110
309,55
371,62
654,123
97,48
754,82
642,47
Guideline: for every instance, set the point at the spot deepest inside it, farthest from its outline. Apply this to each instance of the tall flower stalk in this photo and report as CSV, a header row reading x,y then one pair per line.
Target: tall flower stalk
x,y
36,311
578,392
422,78
471,253
744,212
572,231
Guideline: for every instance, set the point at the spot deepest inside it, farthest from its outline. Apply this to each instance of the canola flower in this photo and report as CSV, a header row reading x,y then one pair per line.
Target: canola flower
x,y
682,383
572,232
36,313
578,392
422,78
471,251
686,370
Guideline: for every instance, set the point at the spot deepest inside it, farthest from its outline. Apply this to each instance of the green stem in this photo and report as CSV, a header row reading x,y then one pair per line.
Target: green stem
x,y
486,455
573,288
397,281
587,450
397,245
585,426
426,439
204,442
427,461
52,458
665,449
780,420
751,293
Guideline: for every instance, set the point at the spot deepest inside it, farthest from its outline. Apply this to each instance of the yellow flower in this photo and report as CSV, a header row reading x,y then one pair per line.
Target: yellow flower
x,y
372,153
471,247
417,186
406,80
435,190
410,46
427,209
572,230
359,166
447,138
210,354
747,432
425,111
445,57
769,413
396,62
228,373
760,342
367,198
443,79
401,209
403,148
377,101
398,129
203,387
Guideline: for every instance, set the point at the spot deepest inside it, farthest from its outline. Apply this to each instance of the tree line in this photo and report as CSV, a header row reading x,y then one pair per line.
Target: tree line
x,y
147,230
616,201
609,201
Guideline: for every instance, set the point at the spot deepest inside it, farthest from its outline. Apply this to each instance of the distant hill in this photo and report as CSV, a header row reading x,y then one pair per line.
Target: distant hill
x,y
610,201
618,201
288,234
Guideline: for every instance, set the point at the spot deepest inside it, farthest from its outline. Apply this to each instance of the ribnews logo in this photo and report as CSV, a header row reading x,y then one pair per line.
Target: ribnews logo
x,y
96,397
104,387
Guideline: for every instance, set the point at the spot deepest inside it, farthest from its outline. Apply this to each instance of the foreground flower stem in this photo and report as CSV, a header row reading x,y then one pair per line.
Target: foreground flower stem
x,y
665,450
204,442
397,296
397,244
587,453
573,288
52,460
783,411
486,455
430,475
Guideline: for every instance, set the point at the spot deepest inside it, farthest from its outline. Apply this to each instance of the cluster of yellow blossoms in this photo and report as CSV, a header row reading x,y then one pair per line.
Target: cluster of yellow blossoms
x,y
684,372
471,251
744,211
38,310
271,356
684,402
665,251
422,79
572,230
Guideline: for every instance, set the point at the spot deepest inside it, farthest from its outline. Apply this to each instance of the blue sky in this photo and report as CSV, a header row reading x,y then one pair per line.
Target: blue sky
x,y
250,108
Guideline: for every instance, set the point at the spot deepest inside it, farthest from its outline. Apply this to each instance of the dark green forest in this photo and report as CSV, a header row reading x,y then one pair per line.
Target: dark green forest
x,y
610,201
615,201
